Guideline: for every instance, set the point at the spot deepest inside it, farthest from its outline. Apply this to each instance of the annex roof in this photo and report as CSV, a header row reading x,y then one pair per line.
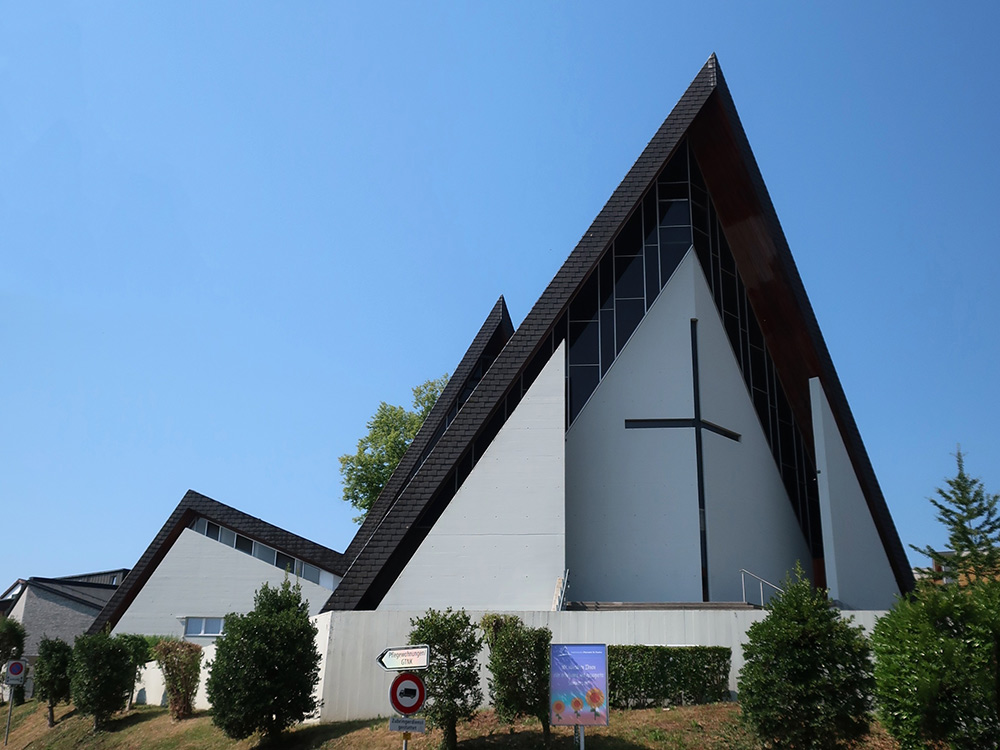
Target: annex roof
x,y
194,505
706,117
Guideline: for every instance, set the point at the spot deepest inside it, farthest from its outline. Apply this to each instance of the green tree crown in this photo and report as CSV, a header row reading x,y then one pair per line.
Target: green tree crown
x,y
807,681
452,677
390,432
266,666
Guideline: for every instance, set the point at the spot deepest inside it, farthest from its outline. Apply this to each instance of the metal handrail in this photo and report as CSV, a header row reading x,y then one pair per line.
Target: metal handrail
x,y
743,580
559,600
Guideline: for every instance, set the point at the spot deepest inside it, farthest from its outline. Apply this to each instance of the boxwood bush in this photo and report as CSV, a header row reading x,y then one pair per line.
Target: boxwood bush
x,y
643,676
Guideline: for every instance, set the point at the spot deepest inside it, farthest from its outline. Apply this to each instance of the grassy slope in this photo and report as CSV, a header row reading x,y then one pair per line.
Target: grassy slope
x,y
712,727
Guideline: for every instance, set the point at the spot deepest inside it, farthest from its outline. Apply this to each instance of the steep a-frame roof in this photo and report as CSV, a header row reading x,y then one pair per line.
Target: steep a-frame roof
x,y
707,118
194,505
487,344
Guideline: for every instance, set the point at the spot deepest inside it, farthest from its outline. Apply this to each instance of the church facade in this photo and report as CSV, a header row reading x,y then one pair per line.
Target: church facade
x,y
665,417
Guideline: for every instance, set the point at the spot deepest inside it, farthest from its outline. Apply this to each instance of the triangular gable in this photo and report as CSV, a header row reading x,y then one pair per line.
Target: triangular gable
x,y
705,115
193,505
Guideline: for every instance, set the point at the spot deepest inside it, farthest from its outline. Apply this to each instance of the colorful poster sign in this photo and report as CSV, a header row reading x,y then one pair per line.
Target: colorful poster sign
x,y
578,687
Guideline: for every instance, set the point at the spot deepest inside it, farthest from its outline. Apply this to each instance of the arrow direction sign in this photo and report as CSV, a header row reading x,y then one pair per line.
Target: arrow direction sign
x,y
405,658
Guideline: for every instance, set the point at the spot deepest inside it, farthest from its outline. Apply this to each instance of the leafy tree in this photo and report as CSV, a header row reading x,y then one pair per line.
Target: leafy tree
x,y
972,519
452,677
101,676
12,635
138,654
51,670
180,662
266,666
390,433
807,681
519,669
936,668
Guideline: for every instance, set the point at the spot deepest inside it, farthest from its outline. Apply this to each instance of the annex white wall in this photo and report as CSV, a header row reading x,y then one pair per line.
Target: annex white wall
x,y
502,537
200,577
858,573
750,521
355,687
632,529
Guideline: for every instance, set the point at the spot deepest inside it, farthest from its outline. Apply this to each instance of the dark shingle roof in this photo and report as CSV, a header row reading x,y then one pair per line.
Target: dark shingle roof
x,y
94,595
194,505
492,336
707,116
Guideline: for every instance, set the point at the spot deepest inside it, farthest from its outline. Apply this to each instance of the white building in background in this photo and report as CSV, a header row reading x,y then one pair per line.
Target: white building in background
x,y
209,560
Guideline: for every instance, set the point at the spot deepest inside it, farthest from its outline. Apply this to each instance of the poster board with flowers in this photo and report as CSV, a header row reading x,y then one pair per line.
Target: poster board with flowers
x,y
578,685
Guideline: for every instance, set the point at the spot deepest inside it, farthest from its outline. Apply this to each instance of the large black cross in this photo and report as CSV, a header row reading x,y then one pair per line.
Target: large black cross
x,y
698,424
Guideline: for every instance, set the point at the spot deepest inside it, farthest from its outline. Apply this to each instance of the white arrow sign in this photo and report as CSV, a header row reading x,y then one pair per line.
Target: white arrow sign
x,y
405,657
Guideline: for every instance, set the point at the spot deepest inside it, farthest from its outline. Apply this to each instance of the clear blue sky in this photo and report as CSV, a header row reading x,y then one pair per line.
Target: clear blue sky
x,y
228,230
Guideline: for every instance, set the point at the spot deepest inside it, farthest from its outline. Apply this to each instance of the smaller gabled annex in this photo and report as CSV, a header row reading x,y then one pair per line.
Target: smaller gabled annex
x,y
207,561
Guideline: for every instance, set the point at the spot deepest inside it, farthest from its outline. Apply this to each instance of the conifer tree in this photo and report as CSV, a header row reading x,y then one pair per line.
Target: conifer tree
x,y
972,519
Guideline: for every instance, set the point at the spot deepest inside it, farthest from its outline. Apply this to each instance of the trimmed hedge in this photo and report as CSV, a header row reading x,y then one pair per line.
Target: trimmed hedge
x,y
644,676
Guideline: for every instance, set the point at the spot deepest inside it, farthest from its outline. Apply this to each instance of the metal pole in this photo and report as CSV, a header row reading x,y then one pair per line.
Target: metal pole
x,y
583,738
406,740
10,710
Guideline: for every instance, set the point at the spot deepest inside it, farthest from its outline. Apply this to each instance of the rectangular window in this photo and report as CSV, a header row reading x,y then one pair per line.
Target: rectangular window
x,y
310,572
212,531
203,626
285,562
263,552
244,545
227,536
199,525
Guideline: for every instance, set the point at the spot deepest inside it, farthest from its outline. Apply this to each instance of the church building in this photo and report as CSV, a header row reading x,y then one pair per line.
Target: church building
x,y
665,417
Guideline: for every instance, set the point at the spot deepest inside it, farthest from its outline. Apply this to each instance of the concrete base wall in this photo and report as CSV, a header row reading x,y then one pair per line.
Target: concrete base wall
x,y
353,686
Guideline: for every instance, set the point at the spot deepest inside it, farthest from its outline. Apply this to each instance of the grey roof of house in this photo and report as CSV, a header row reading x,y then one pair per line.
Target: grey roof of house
x,y
194,505
707,116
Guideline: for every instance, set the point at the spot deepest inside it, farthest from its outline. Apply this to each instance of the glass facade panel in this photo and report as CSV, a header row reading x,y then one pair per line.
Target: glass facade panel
x,y
213,626
193,625
629,282
212,530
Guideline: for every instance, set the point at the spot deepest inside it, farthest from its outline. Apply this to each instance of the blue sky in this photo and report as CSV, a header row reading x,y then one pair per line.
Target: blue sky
x,y
228,230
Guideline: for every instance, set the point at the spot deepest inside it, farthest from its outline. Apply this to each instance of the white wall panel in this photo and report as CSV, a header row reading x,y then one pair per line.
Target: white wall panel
x,y
501,541
632,501
858,572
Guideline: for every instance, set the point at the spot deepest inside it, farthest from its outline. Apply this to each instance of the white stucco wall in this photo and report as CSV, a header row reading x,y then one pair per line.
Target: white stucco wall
x,y
858,572
200,577
501,540
632,529
750,521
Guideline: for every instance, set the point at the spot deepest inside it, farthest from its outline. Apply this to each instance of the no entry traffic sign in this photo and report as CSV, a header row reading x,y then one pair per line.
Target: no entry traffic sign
x,y
407,693
16,671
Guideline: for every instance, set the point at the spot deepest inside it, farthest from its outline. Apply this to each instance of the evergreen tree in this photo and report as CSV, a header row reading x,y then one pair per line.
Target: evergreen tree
x,y
972,519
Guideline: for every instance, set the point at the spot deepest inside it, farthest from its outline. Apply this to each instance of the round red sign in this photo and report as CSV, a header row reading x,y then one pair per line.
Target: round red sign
x,y
16,667
407,693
